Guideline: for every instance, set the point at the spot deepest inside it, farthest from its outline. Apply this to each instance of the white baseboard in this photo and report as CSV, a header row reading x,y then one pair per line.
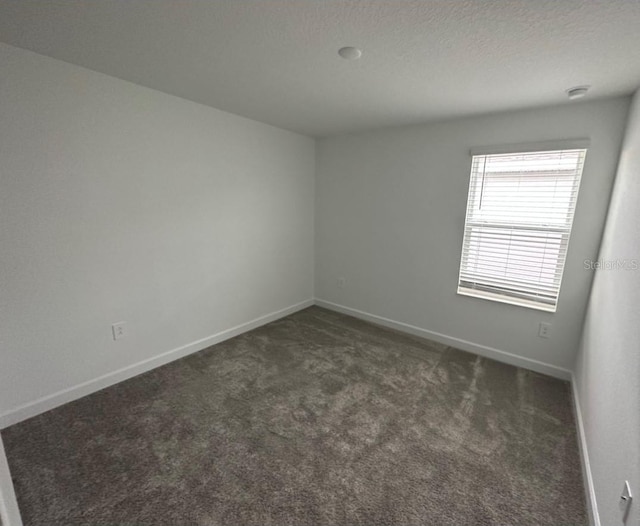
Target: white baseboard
x,y
9,512
481,350
592,505
48,402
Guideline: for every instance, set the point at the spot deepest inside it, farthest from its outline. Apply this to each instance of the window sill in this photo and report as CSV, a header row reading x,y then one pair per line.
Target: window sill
x,y
506,299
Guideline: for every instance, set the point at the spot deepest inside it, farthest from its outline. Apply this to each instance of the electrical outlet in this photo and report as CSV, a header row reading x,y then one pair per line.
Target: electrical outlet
x,y
118,330
625,500
342,282
544,330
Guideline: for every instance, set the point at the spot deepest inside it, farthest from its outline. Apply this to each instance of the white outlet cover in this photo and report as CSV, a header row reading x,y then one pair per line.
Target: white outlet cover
x,y
118,330
544,329
625,500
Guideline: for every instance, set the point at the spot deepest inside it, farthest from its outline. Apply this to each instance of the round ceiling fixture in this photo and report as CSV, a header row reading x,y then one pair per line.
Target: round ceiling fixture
x,y
578,92
350,53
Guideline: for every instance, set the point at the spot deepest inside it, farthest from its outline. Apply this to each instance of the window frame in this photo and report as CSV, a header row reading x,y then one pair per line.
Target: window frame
x,y
512,297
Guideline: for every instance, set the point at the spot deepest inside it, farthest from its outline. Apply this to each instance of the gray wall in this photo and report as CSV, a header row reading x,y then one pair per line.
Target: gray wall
x,y
390,209
608,365
118,202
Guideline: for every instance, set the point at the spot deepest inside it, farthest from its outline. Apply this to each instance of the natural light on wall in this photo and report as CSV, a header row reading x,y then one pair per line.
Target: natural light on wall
x,y
519,215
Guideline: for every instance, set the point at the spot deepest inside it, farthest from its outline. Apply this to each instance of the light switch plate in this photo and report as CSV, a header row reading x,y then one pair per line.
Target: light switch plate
x,y
625,500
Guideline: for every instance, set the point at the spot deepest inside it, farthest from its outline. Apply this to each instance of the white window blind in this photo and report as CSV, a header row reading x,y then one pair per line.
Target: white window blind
x,y
519,216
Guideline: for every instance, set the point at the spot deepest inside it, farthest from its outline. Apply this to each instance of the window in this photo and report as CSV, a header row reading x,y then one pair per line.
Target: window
x,y
519,215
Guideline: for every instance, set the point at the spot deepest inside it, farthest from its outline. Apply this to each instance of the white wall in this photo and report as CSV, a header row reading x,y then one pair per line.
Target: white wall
x,y
118,202
608,365
390,210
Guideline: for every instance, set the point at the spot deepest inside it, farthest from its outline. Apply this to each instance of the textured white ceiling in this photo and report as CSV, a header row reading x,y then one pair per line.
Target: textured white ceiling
x,y
276,61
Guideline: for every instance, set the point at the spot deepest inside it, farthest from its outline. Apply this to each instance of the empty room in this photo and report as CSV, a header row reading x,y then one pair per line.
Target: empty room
x,y
319,262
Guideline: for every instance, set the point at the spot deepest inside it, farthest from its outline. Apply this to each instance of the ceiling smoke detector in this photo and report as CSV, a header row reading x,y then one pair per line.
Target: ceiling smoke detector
x,y
578,92
350,53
